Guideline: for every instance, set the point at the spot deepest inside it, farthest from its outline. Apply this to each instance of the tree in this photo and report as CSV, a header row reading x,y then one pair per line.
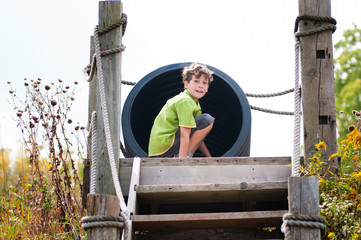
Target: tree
x,y
348,78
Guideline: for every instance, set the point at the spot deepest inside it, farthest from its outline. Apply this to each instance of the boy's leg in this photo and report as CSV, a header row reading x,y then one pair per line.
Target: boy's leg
x,y
204,126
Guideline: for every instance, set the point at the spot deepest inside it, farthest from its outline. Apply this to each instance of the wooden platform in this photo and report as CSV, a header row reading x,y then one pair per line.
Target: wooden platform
x,y
198,193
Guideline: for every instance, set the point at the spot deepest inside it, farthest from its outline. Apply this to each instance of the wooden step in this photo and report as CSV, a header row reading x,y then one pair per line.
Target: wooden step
x,y
203,193
175,171
242,220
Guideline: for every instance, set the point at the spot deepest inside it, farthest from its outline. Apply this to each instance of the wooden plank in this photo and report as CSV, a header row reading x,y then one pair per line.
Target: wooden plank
x,y
205,193
208,220
213,234
128,162
207,170
132,199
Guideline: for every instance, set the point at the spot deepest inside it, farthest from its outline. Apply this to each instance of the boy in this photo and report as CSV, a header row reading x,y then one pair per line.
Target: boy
x,y
180,127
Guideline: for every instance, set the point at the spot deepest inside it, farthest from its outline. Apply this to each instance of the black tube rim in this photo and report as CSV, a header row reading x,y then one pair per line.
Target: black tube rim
x,y
243,138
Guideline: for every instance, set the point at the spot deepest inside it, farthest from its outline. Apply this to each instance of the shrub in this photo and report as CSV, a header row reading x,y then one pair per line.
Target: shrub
x,y
340,200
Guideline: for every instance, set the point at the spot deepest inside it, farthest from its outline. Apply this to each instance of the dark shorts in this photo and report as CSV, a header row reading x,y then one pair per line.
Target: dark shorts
x,y
202,121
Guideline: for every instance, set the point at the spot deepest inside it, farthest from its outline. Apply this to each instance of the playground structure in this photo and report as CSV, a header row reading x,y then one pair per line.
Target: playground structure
x,y
164,195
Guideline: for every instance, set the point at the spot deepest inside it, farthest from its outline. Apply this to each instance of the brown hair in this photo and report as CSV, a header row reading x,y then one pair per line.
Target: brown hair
x,y
197,70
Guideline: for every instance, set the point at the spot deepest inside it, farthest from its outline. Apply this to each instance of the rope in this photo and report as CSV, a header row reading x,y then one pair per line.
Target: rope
x,y
89,70
298,220
122,22
296,158
107,131
270,95
101,221
270,111
315,18
316,30
94,164
128,83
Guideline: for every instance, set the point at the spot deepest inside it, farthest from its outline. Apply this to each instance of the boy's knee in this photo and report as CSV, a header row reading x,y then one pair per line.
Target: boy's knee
x,y
204,120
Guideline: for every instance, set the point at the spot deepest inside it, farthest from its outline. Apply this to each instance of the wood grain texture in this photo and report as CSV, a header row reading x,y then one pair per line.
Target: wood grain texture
x,y
318,97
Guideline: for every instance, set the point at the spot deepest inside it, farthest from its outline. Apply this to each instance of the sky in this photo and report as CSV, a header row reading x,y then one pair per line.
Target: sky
x,y
251,41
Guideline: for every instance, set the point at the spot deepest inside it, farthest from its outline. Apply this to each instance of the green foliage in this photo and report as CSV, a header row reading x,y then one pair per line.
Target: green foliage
x,y
348,76
44,202
340,191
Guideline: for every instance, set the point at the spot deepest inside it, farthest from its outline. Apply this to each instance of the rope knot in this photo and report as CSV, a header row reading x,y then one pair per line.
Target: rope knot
x,y
331,26
300,220
101,221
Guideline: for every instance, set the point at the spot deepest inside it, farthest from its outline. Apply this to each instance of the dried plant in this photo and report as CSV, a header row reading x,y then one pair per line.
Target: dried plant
x,y
54,180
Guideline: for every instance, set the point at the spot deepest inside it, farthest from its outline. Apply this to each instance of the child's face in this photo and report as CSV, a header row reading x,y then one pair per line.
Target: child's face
x,y
197,87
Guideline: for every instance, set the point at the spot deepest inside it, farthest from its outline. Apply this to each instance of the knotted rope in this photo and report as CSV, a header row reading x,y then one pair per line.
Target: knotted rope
x,y
299,220
102,221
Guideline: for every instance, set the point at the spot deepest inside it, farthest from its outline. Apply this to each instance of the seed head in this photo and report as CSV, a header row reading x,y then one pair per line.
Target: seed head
x,y
72,98
70,121
53,102
11,91
19,113
9,82
351,128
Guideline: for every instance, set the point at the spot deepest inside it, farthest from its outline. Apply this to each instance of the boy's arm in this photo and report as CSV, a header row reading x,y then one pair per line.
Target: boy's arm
x,y
204,150
184,141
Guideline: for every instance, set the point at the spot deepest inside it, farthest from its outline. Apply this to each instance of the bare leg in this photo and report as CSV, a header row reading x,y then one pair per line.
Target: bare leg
x,y
198,137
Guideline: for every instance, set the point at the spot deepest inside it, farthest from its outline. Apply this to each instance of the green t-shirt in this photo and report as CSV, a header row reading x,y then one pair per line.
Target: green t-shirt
x,y
178,111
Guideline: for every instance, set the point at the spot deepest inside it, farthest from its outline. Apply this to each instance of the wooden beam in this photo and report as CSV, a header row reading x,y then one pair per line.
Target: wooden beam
x,y
205,193
103,205
318,98
208,220
109,13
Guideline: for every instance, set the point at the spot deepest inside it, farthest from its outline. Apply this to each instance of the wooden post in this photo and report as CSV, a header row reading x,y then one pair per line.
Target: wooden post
x,y
103,205
109,13
303,194
318,98
106,203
